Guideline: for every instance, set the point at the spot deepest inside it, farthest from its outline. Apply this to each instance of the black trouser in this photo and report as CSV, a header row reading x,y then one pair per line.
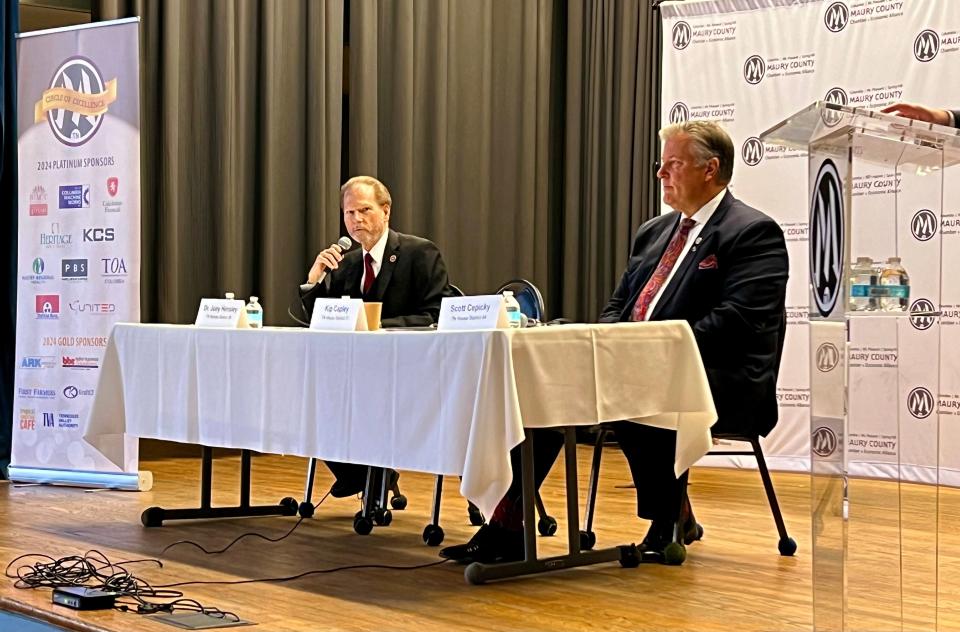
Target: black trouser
x,y
349,474
650,453
546,447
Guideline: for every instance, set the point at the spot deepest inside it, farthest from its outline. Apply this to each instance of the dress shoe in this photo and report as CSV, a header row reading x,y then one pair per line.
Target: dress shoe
x,y
490,544
343,489
659,535
690,531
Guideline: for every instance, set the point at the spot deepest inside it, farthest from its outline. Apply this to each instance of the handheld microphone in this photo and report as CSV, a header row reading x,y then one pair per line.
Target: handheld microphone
x,y
344,243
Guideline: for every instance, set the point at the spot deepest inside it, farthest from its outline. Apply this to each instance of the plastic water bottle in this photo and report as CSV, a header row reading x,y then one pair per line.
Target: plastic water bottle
x,y
862,280
514,315
254,313
229,296
895,285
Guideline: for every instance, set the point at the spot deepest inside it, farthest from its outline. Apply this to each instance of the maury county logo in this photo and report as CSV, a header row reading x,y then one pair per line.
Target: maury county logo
x,y
76,101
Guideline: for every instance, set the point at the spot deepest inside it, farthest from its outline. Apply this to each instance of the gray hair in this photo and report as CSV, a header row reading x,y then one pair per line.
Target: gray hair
x,y
380,191
707,140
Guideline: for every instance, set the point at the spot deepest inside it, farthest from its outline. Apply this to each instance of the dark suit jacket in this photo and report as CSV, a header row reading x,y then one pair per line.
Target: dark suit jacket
x,y
736,309
956,118
411,283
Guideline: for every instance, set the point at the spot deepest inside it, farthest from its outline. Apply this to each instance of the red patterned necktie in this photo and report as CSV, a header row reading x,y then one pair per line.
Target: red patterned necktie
x,y
368,275
667,261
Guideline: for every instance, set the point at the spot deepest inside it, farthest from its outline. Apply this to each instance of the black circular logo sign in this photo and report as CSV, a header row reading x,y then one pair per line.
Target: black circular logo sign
x,y
752,151
754,69
79,75
681,35
826,238
923,226
836,17
921,314
679,113
920,402
71,392
828,357
823,441
834,96
926,46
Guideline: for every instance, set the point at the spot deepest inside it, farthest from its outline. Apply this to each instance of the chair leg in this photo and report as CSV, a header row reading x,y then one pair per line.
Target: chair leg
x,y
306,508
433,532
787,545
594,479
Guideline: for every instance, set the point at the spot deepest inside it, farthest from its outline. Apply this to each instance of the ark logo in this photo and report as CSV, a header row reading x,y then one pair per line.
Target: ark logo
x,y
754,69
920,403
681,35
926,46
752,151
836,17
923,226
826,238
823,441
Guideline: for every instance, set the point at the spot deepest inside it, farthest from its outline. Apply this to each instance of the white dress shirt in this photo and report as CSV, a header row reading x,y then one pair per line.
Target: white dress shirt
x,y
701,217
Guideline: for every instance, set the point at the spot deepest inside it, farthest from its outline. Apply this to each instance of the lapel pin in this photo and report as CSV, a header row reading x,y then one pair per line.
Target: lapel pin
x,y
694,249
698,240
393,258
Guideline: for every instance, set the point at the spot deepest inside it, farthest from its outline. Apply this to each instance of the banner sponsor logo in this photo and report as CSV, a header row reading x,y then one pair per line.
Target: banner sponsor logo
x,y
73,269
923,226
80,362
823,441
114,270
926,46
71,391
38,202
48,306
826,238
74,196
38,266
55,239
68,420
48,420
36,393
95,309
679,113
920,402
924,319
32,363
113,188
752,151
28,419
754,69
99,234
76,101
828,357
836,17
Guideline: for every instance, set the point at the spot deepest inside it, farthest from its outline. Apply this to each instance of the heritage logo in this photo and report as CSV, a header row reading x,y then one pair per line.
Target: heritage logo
x,y
38,201
76,101
55,239
826,238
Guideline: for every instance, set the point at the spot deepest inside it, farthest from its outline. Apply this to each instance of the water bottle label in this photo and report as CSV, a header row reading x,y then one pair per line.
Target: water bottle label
x,y
890,291
860,291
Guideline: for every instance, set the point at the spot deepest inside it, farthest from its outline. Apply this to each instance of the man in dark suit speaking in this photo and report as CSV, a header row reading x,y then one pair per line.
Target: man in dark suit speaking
x,y
404,272
721,266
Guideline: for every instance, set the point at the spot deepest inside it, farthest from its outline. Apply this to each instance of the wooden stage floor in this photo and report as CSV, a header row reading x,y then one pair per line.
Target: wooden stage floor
x,y
733,579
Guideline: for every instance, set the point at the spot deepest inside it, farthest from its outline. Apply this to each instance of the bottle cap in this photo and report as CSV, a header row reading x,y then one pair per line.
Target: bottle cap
x,y
229,295
893,260
254,299
507,293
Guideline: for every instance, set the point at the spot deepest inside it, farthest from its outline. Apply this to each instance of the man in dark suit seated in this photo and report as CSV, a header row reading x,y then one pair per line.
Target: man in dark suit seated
x,y
916,111
721,266
404,272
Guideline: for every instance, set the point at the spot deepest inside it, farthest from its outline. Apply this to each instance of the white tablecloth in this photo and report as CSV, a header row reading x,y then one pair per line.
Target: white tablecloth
x,y
442,402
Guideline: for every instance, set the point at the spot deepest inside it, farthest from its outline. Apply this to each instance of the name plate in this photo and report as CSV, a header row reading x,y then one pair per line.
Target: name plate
x,y
472,312
338,314
223,313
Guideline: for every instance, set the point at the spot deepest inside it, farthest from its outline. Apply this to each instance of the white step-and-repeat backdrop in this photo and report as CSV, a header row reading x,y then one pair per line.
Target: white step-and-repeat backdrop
x,y
751,63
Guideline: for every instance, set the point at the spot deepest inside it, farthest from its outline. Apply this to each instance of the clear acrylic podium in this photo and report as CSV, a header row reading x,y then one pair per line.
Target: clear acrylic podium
x,y
876,189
